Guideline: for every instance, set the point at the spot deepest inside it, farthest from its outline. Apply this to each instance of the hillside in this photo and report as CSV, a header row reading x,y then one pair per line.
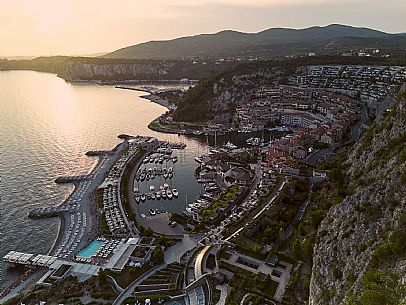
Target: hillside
x,y
214,97
269,43
107,69
360,251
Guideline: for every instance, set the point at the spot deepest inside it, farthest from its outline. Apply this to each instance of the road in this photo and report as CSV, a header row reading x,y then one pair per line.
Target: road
x,y
299,215
356,131
175,253
275,194
133,230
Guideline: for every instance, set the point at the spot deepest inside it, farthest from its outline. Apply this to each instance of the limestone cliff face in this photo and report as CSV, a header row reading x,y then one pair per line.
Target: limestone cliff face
x,y
354,228
75,70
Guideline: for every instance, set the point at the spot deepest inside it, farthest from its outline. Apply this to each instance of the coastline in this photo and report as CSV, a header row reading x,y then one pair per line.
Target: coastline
x,y
151,97
63,219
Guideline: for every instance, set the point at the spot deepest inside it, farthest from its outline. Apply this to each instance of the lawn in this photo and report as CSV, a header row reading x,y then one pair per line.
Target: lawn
x,y
245,281
129,274
221,203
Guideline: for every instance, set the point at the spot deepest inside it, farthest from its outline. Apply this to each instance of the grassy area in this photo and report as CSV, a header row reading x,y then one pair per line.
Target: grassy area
x,y
103,226
129,274
140,251
99,198
245,281
221,203
141,298
101,289
262,201
271,226
67,291
170,276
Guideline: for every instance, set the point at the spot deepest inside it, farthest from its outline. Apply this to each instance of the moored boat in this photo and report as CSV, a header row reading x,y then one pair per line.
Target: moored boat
x,y
175,192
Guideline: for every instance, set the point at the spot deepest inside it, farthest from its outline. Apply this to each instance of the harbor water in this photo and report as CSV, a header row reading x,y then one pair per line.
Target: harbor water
x,y
47,125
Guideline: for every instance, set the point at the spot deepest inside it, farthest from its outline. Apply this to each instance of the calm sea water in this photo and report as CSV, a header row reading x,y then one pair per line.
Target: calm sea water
x,y
46,127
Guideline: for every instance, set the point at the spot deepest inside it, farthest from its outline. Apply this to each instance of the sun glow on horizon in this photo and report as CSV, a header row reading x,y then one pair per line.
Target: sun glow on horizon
x,y
75,27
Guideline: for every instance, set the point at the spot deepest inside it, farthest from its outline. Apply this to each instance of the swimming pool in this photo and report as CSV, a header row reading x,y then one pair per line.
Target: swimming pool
x,y
90,249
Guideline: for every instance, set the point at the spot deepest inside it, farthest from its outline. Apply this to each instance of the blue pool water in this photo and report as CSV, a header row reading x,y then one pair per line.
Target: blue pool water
x,y
91,249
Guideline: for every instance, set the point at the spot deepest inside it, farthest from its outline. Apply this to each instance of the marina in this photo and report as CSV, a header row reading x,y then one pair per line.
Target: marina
x,y
163,182
63,153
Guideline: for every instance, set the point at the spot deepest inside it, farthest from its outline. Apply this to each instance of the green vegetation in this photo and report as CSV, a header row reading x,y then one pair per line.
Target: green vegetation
x,y
173,96
157,255
140,251
393,249
365,142
170,276
244,281
69,288
302,241
380,287
166,241
195,105
271,226
380,284
103,226
124,186
99,198
102,289
142,297
129,274
228,197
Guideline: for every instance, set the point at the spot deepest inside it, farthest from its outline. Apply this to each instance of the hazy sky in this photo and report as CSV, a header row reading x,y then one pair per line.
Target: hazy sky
x,y
71,27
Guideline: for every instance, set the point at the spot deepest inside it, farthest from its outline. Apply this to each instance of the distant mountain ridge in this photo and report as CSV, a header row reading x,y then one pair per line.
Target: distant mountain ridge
x,y
234,43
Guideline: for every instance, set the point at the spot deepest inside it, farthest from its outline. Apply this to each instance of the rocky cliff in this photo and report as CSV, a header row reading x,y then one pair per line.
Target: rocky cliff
x,y
360,253
75,70
105,69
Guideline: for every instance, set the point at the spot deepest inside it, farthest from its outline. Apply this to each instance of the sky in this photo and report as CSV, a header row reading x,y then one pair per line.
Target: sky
x,y
86,27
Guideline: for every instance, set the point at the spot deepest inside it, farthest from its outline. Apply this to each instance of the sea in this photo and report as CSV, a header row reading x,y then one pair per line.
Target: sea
x,y
46,127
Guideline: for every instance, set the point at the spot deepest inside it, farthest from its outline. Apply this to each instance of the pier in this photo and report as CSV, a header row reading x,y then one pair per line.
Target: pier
x,y
70,179
48,212
95,153
135,89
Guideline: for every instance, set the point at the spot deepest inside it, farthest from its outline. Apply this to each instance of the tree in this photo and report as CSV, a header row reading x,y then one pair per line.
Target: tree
x,y
102,276
296,249
148,232
158,255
